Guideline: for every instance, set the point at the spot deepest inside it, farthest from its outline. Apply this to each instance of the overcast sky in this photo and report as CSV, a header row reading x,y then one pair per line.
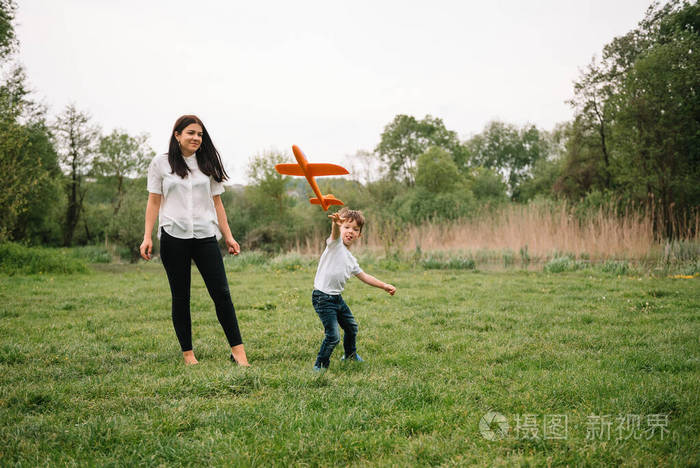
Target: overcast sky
x,y
324,75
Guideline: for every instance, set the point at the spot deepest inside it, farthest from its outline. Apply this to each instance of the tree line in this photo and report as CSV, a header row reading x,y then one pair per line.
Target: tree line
x,y
634,140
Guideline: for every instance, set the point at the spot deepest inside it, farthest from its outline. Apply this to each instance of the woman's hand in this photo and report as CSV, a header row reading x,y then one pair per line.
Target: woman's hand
x,y
233,247
146,248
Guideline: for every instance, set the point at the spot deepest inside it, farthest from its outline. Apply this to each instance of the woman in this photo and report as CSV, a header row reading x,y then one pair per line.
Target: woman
x,y
185,187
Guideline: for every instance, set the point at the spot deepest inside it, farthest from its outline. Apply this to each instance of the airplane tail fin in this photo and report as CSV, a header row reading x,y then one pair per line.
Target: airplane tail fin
x,y
329,199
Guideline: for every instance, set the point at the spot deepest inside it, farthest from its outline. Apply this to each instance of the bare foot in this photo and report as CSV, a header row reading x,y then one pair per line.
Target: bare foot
x,y
238,353
189,358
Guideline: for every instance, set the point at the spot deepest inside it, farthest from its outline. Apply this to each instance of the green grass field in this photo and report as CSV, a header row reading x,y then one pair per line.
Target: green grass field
x,y
587,368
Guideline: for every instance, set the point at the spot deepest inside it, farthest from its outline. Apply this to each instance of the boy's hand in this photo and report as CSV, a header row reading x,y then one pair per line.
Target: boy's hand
x,y
389,288
336,218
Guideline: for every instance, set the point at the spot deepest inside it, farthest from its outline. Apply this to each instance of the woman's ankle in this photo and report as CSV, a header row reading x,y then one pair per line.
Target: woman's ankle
x,y
189,358
238,353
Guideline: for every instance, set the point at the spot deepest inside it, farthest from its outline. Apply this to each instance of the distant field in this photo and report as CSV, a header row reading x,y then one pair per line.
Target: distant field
x,y
584,368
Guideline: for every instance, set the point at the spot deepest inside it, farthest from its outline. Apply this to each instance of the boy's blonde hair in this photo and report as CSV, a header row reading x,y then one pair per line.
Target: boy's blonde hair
x,y
355,215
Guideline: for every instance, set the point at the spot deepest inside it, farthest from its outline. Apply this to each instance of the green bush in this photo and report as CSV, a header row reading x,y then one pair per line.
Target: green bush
x,y
422,205
565,263
524,256
508,258
441,262
616,267
17,259
681,252
691,269
290,261
391,263
248,259
459,263
558,265
92,254
271,238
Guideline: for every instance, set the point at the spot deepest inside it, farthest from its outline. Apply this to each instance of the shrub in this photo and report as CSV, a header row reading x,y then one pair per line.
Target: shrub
x,y
681,252
270,238
508,258
92,254
439,262
615,267
459,263
565,263
17,259
524,256
558,265
246,259
290,261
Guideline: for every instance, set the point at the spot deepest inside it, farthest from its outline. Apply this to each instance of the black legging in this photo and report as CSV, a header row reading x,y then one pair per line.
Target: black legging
x,y
177,255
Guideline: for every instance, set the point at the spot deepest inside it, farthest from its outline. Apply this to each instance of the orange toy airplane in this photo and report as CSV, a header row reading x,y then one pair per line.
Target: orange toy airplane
x,y
311,170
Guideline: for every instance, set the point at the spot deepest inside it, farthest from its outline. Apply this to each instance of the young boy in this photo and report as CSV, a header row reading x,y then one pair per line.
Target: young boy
x,y
336,265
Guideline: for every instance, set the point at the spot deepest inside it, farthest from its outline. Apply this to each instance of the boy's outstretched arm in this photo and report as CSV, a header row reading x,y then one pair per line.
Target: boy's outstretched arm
x,y
336,221
372,281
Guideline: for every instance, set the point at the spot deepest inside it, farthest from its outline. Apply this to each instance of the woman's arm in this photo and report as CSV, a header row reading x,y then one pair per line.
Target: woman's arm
x,y
152,208
233,247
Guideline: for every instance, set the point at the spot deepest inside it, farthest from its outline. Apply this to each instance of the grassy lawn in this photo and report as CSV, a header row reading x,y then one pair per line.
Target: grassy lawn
x,y
609,366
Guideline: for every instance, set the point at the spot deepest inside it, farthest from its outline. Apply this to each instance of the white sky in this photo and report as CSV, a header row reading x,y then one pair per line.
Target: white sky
x,y
325,75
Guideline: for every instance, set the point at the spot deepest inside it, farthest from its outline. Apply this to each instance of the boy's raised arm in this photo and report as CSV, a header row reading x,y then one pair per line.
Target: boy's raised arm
x,y
336,221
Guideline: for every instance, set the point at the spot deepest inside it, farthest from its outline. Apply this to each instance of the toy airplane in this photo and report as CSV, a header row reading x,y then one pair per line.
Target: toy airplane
x,y
311,170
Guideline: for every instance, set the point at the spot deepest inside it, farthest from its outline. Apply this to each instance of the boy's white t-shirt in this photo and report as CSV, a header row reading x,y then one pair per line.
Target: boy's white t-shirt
x,y
335,267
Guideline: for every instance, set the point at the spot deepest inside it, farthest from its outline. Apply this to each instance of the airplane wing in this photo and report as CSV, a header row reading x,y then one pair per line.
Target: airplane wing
x,y
290,169
324,169
315,169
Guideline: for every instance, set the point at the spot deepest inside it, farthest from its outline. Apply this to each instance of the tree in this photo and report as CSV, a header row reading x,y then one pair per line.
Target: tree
x,y
364,166
120,155
8,41
437,172
487,185
546,171
583,169
28,163
406,138
127,225
509,150
75,137
268,187
594,114
268,203
636,131
658,127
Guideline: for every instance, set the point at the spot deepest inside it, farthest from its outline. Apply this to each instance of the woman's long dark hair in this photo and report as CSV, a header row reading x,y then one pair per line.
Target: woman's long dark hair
x,y
208,158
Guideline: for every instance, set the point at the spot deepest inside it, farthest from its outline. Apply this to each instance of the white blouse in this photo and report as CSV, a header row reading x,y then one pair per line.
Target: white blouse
x,y
187,205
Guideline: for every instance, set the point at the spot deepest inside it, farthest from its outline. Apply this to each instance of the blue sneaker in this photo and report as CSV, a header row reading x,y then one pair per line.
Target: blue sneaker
x,y
353,357
320,369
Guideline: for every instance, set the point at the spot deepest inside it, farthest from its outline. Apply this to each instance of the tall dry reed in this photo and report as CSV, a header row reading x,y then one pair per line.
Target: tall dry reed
x,y
541,229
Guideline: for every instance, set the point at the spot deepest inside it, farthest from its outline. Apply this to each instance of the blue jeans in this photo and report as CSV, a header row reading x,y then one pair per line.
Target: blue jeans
x,y
333,311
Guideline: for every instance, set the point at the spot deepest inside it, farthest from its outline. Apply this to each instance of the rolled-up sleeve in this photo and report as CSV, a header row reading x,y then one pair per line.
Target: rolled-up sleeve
x,y
217,188
355,267
155,178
